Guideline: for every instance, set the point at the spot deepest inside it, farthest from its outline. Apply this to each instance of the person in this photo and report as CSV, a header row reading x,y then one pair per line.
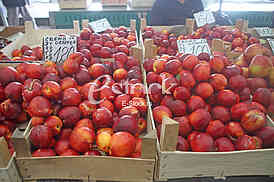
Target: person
x,y
174,12
15,8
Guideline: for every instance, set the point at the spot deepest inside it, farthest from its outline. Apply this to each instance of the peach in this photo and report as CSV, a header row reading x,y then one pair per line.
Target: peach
x,y
185,127
122,144
178,108
70,115
232,70
245,142
252,51
216,129
217,64
202,142
121,101
96,70
190,61
181,93
71,66
182,144
71,97
43,153
51,90
204,90
61,146
204,56
245,94
139,103
201,71
8,74
155,92
65,134
120,74
51,77
254,83
262,96
142,125
260,66
173,66
187,79
194,103
82,76
81,139
37,121
259,142
218,81
129,110
137,90
85,123
87,108
102,118
41,136
55,123
126,123
253,120
148,65
159,65
13,91
103,141
220,113
227,98
223,144
107,104
267,135
237,82
152,77
234,130
39,106
160,112
256,106
238,110
199,119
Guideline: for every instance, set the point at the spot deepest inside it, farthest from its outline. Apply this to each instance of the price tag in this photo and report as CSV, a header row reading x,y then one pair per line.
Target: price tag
x,y
193,46
100,25
204,17
264,31
58,48
271,43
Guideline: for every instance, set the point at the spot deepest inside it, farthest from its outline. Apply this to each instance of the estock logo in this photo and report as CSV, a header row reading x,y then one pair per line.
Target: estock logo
x,y
126,87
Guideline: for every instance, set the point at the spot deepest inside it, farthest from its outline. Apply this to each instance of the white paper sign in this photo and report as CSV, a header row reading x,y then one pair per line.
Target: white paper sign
x,y
100,25
204,17
271,43
264,31
58,48
193,46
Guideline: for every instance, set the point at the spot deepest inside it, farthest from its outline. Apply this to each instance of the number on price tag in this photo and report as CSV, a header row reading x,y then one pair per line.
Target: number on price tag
x,y
204,17
264,31
100,25
193,46
58,48
271,43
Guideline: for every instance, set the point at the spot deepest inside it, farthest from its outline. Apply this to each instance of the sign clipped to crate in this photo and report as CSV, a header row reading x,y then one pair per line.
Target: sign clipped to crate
x,y
58,48
193,46
100,25
204,17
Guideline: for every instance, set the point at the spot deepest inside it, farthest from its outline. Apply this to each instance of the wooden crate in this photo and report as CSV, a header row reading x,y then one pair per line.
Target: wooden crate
x,y
34,37
142,3
93,168
72,4
112,3
8,169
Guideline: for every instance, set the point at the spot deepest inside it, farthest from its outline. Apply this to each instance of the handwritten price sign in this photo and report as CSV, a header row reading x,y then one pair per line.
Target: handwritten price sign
x,y
204,17
58,48
100,25
271,43
264,32
193,46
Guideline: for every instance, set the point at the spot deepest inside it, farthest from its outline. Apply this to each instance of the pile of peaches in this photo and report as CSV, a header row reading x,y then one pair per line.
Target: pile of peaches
x,y
167,42
86,106
219,105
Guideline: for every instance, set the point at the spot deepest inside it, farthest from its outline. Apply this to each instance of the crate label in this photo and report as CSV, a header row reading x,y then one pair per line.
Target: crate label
x,y
58,48
193,46
100,25
271,43
264,31
204,17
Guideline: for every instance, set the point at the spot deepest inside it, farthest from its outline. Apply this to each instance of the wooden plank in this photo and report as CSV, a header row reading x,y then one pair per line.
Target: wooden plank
x,y
10,172
149,145
169,134
242,25
21,144
214,164
5,154
97,168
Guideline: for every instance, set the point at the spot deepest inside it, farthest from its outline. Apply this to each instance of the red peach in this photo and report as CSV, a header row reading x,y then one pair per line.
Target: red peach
x,y
218,81
71,97
187,79
199,119
204,90
107,104
160,112
178,108
253,120
184,126
267,135
65,134
182,144
55,123
102,118
96,70
201,71
129,110
227,98
220,113
51,90
122,144
85,123
194,103
13,91
173,66
70,115
68,82
245,142
238,110
202,142
87,108
81,139
181,93
103,141
234,130
41,136
139,103
216,129
262,96
224,144
189,62
37,121
61,146
237,82
217,64
159,66
39,106
121,101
